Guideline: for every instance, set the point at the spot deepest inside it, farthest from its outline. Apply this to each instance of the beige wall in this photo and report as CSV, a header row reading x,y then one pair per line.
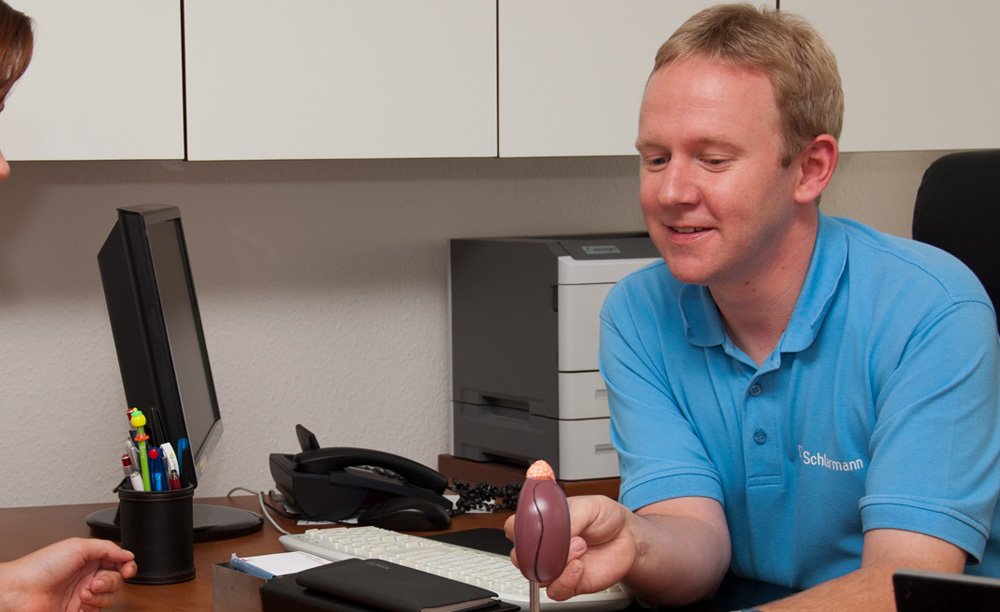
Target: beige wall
x,y
323,289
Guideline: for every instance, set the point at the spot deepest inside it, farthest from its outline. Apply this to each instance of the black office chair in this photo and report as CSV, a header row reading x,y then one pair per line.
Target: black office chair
x,y
958,210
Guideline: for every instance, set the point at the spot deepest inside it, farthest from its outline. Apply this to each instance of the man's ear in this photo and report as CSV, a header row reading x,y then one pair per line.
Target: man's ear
x,y
816,164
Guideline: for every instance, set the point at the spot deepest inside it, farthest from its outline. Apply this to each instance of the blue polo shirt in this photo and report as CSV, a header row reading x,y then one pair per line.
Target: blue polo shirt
x,y
879,408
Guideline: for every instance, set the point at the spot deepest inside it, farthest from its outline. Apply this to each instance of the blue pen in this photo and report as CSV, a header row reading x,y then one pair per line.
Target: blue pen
x,y
156,472
182,445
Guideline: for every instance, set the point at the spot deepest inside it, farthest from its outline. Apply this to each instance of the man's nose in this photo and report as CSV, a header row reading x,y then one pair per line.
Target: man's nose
x,y
677,184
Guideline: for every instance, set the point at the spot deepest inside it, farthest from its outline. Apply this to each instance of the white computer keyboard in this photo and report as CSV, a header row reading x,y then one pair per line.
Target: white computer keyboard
x,y
484,569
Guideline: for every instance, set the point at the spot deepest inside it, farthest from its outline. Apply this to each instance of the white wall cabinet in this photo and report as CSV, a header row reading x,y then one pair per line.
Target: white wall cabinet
x,y
918,74
340,79
449,78
572,73
105,82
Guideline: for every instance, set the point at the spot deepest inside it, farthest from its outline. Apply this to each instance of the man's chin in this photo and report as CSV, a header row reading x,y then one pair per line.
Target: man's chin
x,y
689,275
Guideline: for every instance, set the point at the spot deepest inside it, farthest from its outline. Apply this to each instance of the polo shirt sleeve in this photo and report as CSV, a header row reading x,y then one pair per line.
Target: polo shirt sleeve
x,y
660,455
935,448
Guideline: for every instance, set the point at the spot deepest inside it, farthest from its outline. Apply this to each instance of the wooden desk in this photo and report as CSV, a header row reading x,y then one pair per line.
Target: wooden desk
x,y
27,529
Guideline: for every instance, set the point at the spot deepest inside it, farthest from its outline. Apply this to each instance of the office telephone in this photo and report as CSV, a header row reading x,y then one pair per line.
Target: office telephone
x,y
335,483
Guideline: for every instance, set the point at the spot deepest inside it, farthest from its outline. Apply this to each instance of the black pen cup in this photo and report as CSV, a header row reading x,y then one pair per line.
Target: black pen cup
x,y
158,527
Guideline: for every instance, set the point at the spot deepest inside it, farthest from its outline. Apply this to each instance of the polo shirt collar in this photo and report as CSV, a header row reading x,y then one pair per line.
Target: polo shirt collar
x,y
703,323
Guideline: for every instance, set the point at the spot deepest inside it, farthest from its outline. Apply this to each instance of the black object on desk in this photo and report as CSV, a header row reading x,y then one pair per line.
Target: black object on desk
x,y
389,586
487,539
283,594
920,591
334,483
209,523
286,594
157,527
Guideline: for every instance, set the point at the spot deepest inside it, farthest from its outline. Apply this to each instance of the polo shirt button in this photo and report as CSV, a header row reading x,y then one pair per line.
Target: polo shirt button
x,y
760,437
755,390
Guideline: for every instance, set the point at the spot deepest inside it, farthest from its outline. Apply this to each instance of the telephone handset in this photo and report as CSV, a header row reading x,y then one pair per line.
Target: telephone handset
x,y
334,483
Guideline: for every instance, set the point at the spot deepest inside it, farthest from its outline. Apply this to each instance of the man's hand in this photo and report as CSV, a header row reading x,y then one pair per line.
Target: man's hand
x,y
601,551
673,552
72,575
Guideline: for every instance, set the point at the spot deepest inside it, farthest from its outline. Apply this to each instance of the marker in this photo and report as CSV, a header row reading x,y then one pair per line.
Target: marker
x,y
134,477
170,463
138,421
174,480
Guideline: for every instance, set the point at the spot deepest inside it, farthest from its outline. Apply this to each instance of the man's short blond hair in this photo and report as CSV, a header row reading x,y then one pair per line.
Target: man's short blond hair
x,y
802,68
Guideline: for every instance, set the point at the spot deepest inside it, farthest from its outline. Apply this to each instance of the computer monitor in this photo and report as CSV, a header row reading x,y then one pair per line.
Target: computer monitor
x,y
162,355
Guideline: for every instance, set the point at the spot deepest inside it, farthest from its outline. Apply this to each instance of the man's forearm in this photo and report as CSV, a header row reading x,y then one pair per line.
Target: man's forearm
x,y
869,588
14,595
681,559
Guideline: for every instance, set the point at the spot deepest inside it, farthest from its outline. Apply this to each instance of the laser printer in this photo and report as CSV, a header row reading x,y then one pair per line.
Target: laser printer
x,y
525,325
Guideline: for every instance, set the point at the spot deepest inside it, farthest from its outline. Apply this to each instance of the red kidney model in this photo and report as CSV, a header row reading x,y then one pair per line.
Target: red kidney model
x,y
541,527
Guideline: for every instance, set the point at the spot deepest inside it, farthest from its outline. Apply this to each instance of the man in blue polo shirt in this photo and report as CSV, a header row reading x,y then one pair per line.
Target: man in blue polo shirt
x,y
795,398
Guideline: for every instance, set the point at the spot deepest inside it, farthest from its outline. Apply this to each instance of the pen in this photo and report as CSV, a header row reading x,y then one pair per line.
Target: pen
x,y
182,445
138,421
156,470
173,480
159,433
133,454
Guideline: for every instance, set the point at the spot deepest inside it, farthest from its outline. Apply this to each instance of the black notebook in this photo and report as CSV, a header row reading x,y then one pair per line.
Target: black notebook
x,y
388,586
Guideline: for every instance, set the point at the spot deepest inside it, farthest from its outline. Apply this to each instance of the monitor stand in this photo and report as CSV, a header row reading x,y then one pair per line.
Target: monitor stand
x,y
210,523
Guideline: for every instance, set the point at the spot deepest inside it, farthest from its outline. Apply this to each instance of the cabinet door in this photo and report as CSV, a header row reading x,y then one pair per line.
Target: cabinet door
x,y
918,74
104,83
572,73
306,79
